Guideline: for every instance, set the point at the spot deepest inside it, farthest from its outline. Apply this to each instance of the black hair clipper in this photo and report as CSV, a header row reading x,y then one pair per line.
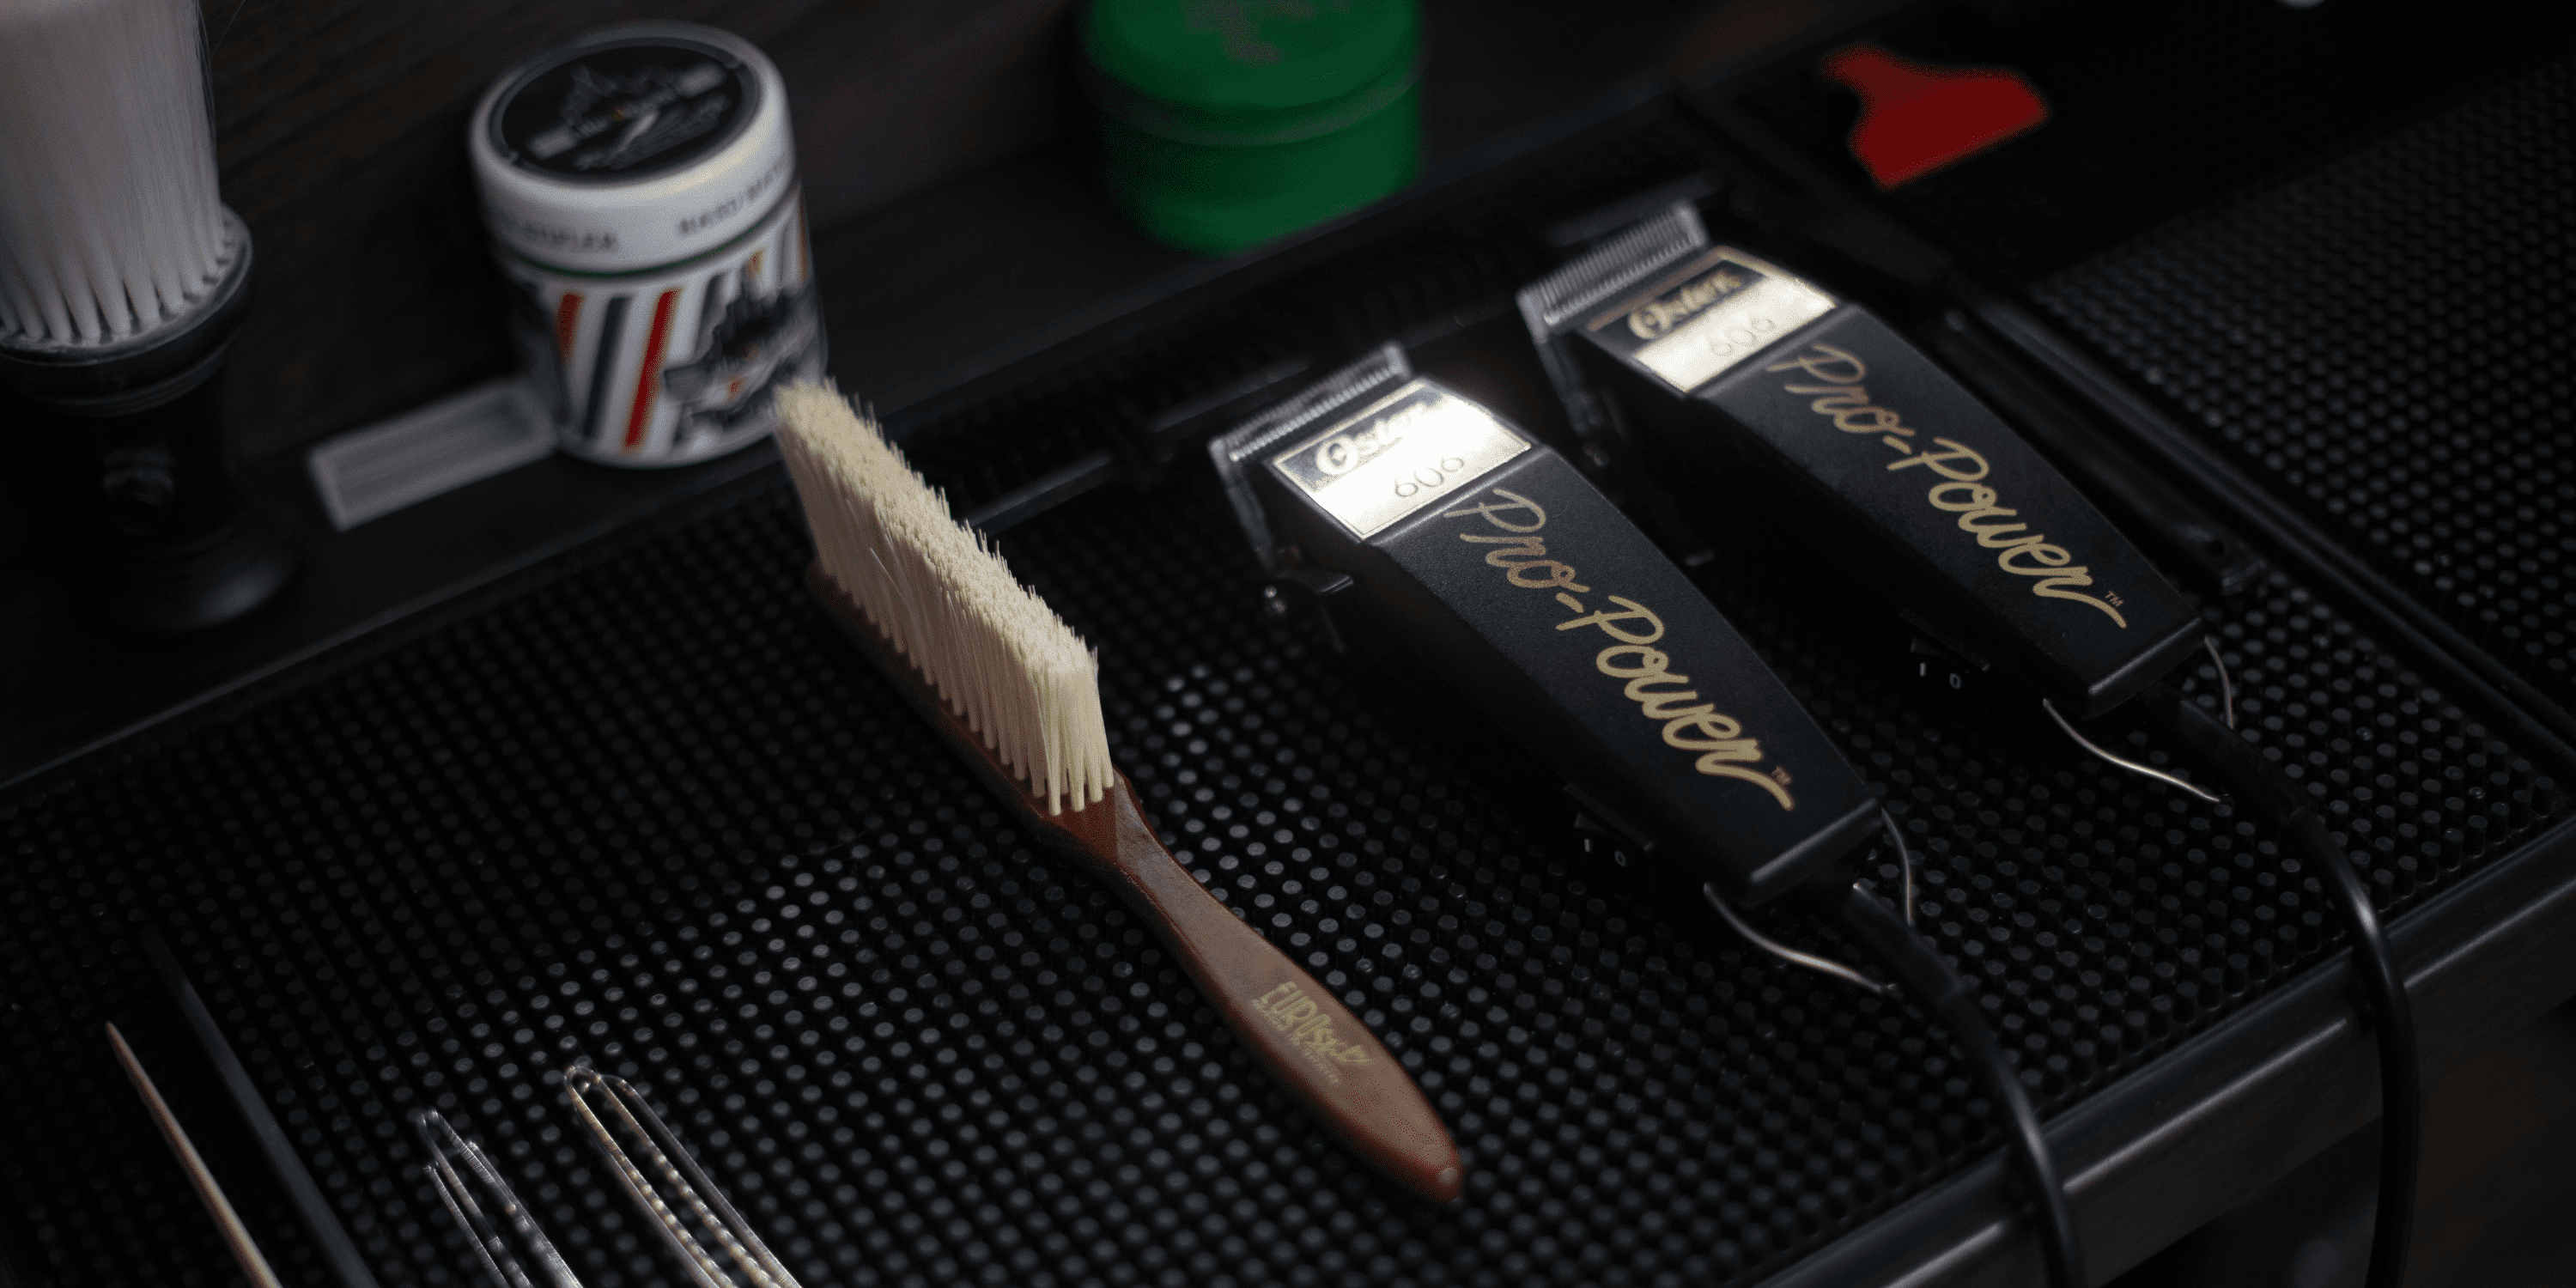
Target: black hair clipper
x,y
1881,457
1508,572
1913,485
1502,567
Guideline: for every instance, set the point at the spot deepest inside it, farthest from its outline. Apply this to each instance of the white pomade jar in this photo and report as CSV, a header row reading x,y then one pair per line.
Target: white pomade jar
x,y
640,187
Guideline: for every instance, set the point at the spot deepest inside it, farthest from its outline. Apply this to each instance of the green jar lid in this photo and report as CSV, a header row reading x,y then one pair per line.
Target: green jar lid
x,y
1229,122
1252,62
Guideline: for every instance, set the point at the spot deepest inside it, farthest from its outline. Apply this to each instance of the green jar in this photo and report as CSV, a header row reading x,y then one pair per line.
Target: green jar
x,y
1230,122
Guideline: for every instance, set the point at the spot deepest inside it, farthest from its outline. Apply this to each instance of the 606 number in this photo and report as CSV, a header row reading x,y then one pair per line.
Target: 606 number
x,y
1428,476
1738,339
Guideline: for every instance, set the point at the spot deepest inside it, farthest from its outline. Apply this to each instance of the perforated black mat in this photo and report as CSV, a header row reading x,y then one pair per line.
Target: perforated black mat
x,y
2389,339
655,813
644,806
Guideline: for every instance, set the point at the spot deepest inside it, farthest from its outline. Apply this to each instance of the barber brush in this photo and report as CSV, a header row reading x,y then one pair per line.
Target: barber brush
x,y
122,283
1016,693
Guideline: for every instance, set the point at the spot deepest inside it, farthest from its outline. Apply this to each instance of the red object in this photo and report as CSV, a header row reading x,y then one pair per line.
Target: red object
x,y
1918,117
567,320
640,417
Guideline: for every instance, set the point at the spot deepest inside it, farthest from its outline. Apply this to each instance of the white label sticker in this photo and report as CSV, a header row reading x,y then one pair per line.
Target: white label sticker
x,y
1732,330
1402,453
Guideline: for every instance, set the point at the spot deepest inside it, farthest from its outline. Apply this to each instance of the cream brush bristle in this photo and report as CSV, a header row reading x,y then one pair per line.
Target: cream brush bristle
x,y
109,222
987,645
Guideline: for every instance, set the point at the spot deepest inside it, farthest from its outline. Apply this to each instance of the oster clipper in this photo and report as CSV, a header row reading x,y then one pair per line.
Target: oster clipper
x,y
1503,568
1897,471
1507,572
1911,482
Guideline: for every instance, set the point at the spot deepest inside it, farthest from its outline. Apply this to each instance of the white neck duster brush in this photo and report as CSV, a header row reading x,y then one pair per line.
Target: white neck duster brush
x,y
1016,694
122,282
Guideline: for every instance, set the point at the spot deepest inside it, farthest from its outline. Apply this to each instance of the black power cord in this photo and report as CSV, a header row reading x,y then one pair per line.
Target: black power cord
x,y
2271,796
1882,932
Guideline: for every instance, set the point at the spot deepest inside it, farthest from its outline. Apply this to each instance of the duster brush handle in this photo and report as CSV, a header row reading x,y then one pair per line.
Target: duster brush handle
x,y
1311,1043
1303,1034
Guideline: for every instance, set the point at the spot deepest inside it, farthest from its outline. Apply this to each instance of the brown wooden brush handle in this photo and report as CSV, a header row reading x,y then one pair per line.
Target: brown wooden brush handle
x,y
1310,1041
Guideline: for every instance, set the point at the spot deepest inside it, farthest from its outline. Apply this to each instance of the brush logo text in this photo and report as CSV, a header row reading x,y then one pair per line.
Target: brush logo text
x,y
1690,725
1288,1009
1840,397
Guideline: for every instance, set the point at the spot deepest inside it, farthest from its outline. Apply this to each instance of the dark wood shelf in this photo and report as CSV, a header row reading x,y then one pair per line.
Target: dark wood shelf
x,y
1017,267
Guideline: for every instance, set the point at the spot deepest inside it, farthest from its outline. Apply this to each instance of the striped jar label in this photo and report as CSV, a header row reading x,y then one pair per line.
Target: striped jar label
x,y
673,364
